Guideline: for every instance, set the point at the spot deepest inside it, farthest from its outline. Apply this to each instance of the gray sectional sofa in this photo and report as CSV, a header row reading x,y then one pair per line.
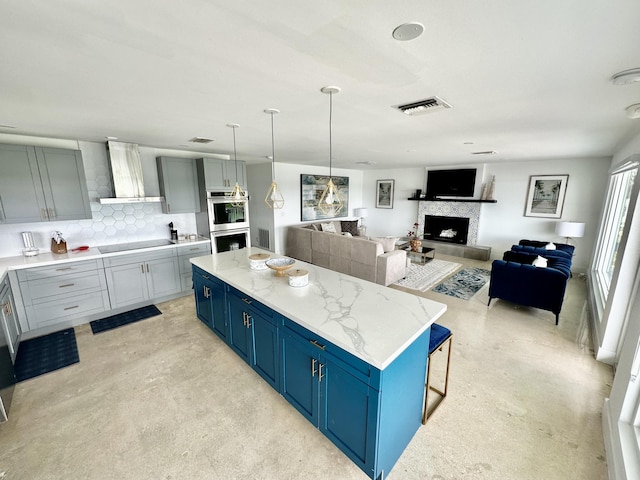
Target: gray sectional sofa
x,y
353,255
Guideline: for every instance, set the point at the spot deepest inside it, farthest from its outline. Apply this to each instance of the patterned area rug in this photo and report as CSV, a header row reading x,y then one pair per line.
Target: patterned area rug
x,y
464,284
423,277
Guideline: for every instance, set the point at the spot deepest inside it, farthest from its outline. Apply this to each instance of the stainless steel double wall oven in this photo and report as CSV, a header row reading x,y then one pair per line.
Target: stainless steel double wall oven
x,y
226,221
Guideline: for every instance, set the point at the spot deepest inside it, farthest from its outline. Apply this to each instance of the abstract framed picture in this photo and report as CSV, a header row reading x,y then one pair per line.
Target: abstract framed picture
x,y
384,193
311,188
546,196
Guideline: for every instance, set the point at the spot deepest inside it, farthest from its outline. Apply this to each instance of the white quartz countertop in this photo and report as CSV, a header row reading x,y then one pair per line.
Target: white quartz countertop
x,y
47,258
372,322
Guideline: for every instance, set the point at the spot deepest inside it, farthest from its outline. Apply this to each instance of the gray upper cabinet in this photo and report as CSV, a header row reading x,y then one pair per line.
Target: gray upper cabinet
x,y
178,178
218,175
42,184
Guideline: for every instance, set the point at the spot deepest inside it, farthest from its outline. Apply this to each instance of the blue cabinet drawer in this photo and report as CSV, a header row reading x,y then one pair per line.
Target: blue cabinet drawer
x,y
359,368
251,303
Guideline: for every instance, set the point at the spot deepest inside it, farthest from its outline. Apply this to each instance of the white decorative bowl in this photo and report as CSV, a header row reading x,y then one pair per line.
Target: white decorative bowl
x,y
257,261
280,265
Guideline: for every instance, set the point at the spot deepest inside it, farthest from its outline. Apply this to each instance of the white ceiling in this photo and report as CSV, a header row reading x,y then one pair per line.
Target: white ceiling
x,y
527,79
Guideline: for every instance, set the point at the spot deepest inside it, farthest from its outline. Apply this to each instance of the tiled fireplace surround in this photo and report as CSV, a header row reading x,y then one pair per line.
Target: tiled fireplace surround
x,y
468,210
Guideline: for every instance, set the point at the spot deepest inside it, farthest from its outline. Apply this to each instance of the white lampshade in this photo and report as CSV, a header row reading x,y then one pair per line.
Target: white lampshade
x,y
361,212
570,229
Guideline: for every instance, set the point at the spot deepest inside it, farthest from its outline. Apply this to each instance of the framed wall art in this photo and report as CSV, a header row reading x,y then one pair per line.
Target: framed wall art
x,y
546,196
311,188
384,193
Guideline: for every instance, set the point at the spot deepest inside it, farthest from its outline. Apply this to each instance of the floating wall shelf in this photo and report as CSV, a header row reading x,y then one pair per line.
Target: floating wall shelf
x,y
470,200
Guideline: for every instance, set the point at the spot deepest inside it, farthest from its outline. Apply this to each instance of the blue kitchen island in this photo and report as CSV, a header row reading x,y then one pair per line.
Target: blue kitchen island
x,y
348,354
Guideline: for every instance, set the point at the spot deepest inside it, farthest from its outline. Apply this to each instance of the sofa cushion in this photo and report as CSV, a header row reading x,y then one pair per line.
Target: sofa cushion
x,y
540,262
349,226
388,243
328,227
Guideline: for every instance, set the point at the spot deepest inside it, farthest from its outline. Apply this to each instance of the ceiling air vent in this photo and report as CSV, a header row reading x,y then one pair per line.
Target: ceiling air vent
x,y
201,140
427,105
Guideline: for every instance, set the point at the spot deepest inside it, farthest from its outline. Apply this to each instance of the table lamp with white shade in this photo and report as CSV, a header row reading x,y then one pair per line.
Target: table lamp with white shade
x,y
570,230
362,213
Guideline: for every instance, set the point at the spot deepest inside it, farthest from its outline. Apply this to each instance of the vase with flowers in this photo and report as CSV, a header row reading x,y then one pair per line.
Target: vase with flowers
x,y
414,241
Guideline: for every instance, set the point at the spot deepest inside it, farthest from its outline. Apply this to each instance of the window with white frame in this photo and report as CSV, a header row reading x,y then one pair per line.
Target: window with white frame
x,y
612,228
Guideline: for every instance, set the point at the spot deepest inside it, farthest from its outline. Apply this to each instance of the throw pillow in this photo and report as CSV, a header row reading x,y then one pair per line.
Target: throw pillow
x,y
540,262
550,246
388,243
328,227
350,226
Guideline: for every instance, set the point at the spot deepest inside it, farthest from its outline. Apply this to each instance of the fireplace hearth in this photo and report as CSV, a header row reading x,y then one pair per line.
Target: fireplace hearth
x,y
446,229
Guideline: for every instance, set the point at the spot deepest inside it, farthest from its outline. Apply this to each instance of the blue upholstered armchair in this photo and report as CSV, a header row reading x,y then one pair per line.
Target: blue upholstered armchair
x,y
516,280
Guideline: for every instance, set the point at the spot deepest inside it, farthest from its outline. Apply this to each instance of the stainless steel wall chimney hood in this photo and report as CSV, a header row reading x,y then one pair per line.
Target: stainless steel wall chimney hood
x,y
126,174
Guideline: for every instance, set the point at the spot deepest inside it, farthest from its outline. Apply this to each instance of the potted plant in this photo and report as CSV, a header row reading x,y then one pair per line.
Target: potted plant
x,y
414,241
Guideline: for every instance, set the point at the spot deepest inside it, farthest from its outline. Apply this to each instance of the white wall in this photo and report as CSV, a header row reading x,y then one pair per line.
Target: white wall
x,y
288,178
260,216
503,224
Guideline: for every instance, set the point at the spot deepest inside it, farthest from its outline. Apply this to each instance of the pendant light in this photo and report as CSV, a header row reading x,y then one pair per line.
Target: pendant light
x,y
237,195
330,203
274,198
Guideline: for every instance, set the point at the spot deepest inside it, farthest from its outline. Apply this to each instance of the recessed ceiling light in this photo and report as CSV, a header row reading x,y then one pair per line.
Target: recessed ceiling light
x,y
468,143
366,162
7,126
408,31
626,77
111,138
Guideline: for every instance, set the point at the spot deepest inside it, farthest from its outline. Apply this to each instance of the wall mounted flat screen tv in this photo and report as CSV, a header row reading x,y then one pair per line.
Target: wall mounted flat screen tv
x,y
458,182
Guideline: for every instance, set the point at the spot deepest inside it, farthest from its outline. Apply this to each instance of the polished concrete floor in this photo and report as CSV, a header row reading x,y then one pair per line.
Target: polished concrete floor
x,y
166,399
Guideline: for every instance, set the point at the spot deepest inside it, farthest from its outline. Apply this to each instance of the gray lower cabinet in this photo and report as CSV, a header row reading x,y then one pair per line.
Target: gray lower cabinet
x,y
185,252
216,174
178,179
40,184
138,278
61,293
9,319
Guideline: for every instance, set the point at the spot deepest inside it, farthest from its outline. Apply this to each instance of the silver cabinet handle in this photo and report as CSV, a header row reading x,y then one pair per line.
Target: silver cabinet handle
x,y
43,214
51,214
168,207
316,344
71,308
63,269
142,268
147,268
66,285
320,374
313,367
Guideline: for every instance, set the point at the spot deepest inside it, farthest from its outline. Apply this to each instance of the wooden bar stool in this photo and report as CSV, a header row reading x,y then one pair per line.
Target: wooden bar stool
x,y
439,336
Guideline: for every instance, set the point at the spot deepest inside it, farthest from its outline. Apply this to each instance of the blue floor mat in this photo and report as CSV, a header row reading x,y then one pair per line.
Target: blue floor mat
x,y
115,321
45,354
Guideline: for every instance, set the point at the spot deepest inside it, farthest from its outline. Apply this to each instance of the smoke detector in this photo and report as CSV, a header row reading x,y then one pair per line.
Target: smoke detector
x,y
420,107
201,140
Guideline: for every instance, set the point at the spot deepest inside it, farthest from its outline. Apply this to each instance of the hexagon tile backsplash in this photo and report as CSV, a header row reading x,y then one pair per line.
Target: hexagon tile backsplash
x,y
114,223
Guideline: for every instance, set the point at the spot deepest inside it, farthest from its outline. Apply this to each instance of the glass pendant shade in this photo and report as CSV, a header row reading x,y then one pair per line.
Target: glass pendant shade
x,y
274,198
237,196
330,203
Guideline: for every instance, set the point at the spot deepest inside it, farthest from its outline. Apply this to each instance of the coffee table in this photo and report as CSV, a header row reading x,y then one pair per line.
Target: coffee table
x,y
422,256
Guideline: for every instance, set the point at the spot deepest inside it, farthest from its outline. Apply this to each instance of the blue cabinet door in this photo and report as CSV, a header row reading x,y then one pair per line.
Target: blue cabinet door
x,y
220,323
300,375
204,308
239,332
348,412
264,358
